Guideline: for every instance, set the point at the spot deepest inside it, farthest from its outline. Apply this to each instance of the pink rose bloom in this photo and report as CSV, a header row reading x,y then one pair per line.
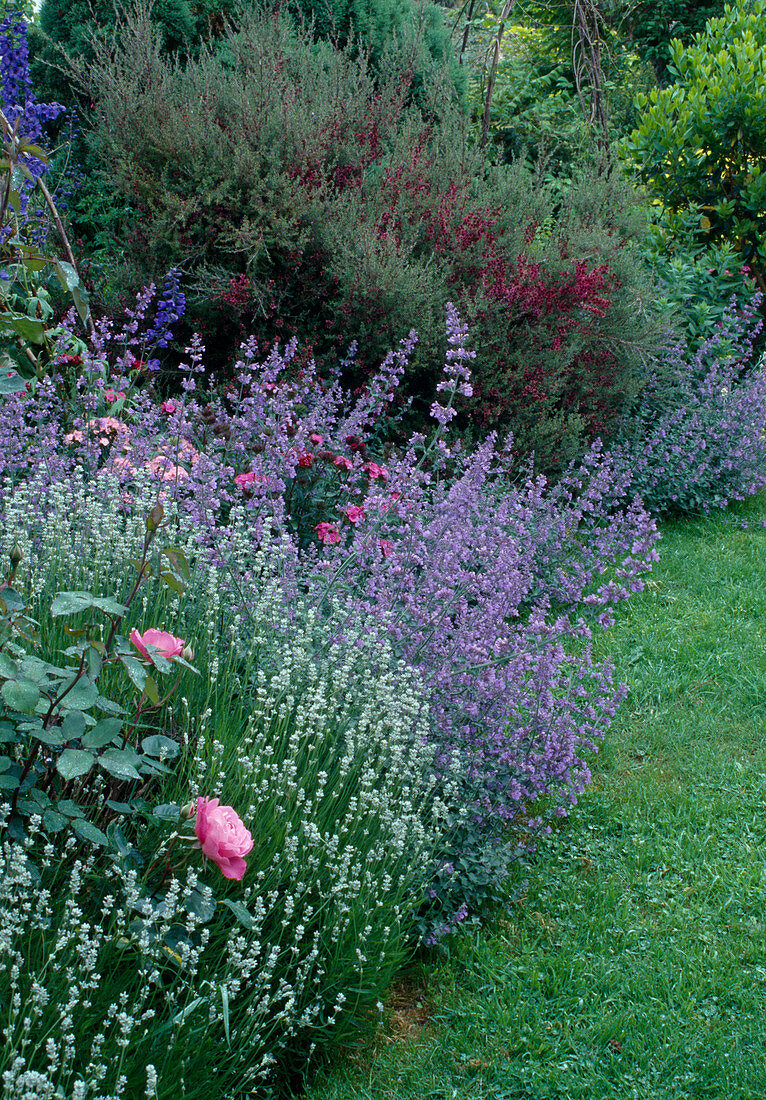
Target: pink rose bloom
x,y
222,837
245,480
327,534
316,439
386,546
73,437
373,471
114,395
169,407
343,462
167,644
354,513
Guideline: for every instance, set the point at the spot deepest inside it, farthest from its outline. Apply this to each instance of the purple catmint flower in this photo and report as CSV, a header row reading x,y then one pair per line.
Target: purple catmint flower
x,y
697,439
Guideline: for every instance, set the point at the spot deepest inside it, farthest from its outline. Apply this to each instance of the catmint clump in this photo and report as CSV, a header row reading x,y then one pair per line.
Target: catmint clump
x,y
697,439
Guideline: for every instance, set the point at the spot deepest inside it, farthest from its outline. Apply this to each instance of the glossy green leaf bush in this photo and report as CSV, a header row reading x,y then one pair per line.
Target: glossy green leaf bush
x,y
700,143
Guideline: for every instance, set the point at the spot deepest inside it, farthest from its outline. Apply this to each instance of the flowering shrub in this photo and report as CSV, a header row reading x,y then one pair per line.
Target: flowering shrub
x,y
320,203
695,277
698,437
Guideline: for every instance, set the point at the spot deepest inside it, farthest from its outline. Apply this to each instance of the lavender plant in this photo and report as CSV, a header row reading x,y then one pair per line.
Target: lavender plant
x,y
325,755
489,587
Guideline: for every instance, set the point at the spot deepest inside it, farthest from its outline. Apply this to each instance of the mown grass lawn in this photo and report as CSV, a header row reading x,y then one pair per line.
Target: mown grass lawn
x,y
634,964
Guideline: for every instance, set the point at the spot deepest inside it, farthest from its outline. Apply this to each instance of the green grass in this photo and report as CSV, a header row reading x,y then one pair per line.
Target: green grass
x,y
635,963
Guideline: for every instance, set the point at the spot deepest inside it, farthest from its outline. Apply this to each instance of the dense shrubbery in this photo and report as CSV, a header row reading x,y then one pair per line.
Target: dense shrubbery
x,y
651,25
304,197
699,143
697,279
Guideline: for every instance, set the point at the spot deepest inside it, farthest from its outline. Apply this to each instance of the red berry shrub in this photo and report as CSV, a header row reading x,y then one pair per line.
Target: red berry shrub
x,y
306,196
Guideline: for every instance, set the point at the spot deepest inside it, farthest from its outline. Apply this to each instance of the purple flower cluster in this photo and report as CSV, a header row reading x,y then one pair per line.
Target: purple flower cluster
x,y
170,309
18,99
698,437
489,585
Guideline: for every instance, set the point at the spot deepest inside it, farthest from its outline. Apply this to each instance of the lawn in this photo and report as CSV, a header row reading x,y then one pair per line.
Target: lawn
x,y
634,962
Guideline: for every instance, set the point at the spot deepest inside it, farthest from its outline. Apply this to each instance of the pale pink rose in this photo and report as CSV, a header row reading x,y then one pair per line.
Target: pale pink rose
x,y
373,471
222,837
354,513
161,466
122,464
327,534
167,644
343,462
73,437
185,450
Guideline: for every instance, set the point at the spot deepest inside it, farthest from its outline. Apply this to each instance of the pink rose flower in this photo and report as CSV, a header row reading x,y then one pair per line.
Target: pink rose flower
x,y
386,546
167,644
327,533
114,395
343,462
316,439
374,471
222,837
354,513
244,481
169,407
